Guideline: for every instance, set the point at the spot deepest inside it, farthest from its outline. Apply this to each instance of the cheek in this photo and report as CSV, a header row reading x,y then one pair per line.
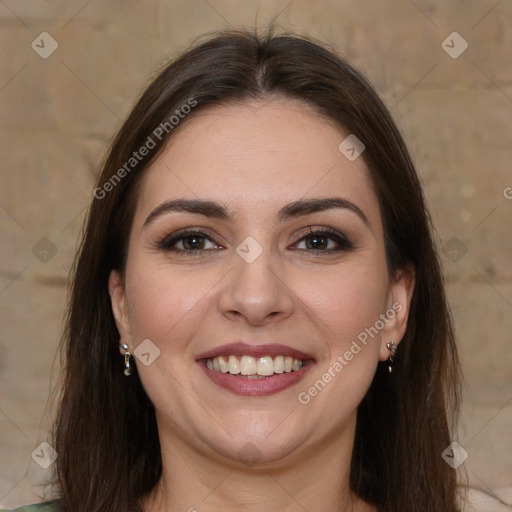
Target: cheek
x,y
347,306
347,302
161,299
167,306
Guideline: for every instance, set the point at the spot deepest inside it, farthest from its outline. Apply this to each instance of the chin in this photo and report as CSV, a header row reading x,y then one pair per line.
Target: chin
x,y
262,444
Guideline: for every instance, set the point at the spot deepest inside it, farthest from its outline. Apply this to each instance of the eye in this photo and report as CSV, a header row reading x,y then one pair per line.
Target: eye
x,y
192,242
321,240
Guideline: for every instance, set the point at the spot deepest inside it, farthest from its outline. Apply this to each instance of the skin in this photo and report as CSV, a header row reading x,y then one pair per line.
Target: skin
x,y
254,158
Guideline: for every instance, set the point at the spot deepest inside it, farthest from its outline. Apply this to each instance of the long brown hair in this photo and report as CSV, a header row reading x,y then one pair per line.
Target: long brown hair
x,y
106,433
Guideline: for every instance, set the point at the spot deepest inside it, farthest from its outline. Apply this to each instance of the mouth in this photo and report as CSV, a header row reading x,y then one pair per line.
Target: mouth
x,y
255,367
255,370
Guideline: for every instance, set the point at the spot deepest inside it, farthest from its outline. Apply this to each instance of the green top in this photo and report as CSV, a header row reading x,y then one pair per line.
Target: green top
x,y
48,506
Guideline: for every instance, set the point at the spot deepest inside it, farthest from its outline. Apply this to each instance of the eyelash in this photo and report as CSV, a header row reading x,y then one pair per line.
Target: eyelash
x,y
167,242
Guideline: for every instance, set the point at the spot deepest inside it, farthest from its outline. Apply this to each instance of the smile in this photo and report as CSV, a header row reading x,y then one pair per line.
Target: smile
x,y
251,369
254,366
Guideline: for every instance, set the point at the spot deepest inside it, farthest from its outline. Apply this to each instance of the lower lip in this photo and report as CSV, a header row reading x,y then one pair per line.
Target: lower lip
x,y
256,387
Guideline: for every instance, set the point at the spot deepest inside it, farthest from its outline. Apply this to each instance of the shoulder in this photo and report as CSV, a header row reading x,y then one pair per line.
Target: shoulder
x,y
480,501
49,506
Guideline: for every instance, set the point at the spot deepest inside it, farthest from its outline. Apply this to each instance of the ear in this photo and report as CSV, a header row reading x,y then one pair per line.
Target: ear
x,y
119,308
398,303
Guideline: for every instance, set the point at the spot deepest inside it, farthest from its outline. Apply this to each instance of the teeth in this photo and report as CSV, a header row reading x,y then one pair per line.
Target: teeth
x,y
233,365
223,364
265,366
248,365
279,364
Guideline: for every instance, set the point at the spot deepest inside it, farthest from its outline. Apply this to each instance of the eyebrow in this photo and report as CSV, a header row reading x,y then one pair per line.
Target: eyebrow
x,y
289,211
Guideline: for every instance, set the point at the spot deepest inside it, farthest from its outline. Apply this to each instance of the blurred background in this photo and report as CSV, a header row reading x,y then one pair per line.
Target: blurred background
x,y
71,70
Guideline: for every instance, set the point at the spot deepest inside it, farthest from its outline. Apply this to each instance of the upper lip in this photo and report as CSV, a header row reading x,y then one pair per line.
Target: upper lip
x,y
241,348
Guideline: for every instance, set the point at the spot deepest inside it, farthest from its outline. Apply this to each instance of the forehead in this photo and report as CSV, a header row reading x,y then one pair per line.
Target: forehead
x,y
256,156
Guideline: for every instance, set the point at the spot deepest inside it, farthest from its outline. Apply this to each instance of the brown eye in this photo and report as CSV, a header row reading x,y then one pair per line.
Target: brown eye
x,y
325,241
192,242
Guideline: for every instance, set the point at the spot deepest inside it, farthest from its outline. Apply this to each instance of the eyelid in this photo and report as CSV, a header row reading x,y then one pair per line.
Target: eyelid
x,y
165,243
311,230
343,241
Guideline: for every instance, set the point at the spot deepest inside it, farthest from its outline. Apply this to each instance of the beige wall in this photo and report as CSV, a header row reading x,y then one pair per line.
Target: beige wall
x,y
58,114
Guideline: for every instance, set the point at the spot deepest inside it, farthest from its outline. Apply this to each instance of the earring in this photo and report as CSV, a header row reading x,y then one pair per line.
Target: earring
x,y
391,347
127,356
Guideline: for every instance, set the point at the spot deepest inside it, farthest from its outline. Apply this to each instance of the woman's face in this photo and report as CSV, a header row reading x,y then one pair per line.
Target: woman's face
x,y
262,271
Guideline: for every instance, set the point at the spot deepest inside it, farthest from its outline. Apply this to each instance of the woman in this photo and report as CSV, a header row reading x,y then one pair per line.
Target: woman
x,y
257,318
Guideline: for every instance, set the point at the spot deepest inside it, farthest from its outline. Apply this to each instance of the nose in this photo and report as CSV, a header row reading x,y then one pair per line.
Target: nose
x,y
257,292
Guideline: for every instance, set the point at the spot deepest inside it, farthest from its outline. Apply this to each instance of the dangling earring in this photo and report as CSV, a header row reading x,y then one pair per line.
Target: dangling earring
x,y
127,356
391,347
